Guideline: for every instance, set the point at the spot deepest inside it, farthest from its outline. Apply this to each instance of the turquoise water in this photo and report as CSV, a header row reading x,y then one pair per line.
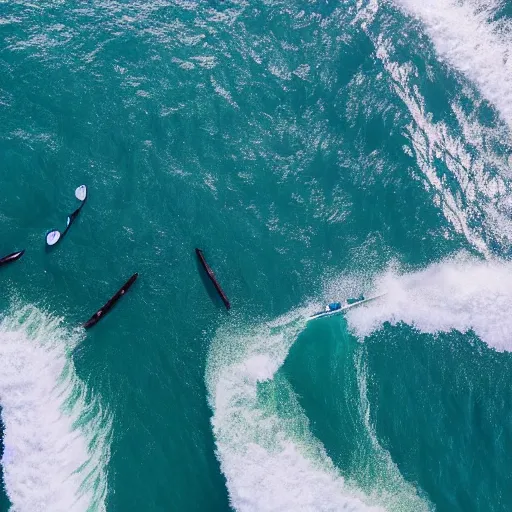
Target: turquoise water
x,y
314,151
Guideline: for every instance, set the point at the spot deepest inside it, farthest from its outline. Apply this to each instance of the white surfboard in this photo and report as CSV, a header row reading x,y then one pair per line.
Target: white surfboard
x,y
54,236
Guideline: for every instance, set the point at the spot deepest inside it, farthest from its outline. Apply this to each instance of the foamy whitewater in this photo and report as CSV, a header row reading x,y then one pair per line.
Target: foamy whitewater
x,y
466,37
57,436
461,293
465,165
273,462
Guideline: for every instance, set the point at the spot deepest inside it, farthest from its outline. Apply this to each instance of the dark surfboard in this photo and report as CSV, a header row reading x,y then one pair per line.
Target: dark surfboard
x,y
108,306
213,279
11,257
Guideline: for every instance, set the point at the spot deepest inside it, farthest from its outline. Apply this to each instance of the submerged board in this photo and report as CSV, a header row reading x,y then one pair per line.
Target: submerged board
x,y
346,307
213,279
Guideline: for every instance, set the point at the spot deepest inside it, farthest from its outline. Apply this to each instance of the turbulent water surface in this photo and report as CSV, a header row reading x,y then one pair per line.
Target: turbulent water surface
x,y
314,151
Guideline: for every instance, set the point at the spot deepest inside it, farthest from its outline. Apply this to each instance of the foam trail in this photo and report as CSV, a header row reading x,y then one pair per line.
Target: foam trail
x,y
56,434
269,457
431,143
465,165
382,466
460,293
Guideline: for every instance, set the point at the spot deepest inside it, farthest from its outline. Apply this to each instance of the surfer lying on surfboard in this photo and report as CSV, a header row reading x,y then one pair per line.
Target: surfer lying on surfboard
x,y
337,307
213,279
110,303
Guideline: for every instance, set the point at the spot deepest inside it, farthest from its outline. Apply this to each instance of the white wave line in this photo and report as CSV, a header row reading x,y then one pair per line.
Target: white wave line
x,y
461,293
431,141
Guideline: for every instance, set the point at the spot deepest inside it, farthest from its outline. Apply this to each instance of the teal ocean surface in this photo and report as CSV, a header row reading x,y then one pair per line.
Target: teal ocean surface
x,y
314,150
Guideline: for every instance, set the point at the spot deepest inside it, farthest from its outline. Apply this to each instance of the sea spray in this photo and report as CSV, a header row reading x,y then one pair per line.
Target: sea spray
x,y
460,293
57,435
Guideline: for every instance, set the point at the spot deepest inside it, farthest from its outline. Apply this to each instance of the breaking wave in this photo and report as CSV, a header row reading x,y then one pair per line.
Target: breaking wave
x,y
56,433
266,450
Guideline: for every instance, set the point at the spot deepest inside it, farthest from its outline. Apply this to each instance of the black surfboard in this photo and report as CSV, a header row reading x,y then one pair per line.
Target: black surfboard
x,y
108,306
213,279
11,257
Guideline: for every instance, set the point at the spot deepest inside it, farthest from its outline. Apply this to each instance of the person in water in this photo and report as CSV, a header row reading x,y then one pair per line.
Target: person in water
x,y
334,306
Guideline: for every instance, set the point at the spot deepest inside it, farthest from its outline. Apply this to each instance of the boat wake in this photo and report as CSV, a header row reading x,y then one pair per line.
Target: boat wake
x,y
269,456
56,434
267,452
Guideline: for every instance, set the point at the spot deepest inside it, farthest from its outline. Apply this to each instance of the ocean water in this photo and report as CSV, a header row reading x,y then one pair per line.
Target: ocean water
x,y
314,150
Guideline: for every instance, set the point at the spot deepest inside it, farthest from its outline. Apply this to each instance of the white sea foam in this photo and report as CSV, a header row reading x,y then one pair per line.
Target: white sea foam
x,y
465,35
465,166
460,294
56,434
432,144
271,460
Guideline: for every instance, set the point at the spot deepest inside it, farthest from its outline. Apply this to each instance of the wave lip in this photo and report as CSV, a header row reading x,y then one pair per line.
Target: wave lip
x,y
56,433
